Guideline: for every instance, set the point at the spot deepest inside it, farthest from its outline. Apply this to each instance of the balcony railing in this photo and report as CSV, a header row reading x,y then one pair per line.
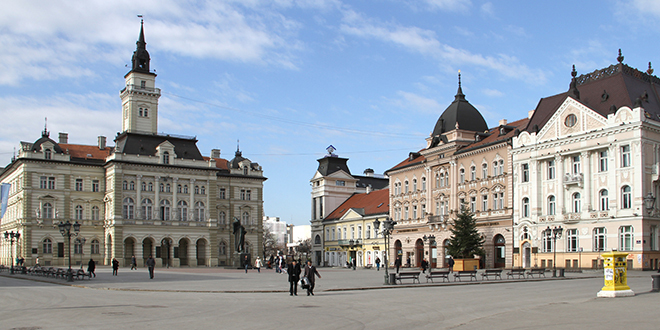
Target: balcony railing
x,y
573,178
350,242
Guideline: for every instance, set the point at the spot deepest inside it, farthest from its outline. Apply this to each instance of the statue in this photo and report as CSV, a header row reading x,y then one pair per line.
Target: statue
x,y
239,235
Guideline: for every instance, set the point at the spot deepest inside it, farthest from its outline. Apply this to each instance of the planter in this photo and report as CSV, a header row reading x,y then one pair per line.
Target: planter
x,y
466,264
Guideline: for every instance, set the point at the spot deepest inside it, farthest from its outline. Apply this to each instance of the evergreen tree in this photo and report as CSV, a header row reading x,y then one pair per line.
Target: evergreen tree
x,y
465,240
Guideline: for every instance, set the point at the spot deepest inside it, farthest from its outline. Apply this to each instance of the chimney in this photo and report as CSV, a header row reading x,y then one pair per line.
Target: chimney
x,y
64,138
101,142
215,153
502,122
369,172
368,189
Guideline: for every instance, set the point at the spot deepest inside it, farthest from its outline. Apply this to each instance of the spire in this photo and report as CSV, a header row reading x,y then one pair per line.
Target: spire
x,y
459,93
238,149
572,89
650,69
620,57
140,55
45,133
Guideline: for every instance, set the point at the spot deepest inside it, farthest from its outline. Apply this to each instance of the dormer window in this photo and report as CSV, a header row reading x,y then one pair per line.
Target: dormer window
x,y
245,170
47,154
166,157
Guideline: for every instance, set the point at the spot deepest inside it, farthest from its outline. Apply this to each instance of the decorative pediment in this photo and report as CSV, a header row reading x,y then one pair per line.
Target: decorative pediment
x,y
571,118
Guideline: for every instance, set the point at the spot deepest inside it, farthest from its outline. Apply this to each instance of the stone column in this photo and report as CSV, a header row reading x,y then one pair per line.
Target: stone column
x,y
586,176
191,198
157,198
175,206
138,202
561,203
192,254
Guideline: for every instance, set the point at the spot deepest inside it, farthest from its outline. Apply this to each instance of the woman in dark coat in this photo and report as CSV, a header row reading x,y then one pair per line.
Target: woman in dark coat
x,y
294,276
91,267
115,266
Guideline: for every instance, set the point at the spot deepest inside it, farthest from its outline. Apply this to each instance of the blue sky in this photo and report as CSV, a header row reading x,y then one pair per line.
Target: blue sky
x,y
288,78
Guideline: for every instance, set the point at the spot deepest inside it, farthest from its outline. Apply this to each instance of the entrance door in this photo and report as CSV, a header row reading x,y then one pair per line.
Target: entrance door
x,y
419,252
527,255
165,251
500,251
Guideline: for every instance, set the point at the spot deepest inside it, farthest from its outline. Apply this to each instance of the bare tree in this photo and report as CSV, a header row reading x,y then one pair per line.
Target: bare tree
x,y
270,244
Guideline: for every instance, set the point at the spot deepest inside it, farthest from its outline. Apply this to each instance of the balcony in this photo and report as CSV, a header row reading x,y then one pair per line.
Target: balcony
x,y
350,242
573,178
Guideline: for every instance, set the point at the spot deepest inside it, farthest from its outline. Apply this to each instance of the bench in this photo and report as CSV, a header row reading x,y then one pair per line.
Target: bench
x,y
520,272
536,271
368,266
444,274
81,273
405,275
491,272
465,273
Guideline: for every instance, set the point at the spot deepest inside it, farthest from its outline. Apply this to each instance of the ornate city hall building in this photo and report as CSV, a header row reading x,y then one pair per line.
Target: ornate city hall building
x,y
150,194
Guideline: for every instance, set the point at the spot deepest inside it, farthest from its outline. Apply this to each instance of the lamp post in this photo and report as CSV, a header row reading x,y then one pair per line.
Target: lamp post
x,y
431,240
65,230
556,233
649,202
388,226
12,237
81,241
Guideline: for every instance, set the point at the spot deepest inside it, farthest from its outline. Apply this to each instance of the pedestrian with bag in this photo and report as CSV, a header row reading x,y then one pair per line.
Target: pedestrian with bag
x,y
257,264
91,267
133,263
293,269
310,271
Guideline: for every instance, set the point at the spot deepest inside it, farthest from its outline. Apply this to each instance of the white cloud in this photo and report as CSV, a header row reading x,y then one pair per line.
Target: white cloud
x,y
488,9
426,43
449,5
492,92
417,103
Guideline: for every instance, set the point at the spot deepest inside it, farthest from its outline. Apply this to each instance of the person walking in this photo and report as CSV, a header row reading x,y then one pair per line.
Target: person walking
x,y
397,264
246,261
450,263
377,264
425,265
133,263
257,265
91,267
115,266
310,271
293,269
151,264
354,262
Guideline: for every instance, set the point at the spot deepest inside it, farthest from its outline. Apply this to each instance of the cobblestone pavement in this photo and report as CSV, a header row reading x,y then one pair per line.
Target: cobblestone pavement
x,y
214,298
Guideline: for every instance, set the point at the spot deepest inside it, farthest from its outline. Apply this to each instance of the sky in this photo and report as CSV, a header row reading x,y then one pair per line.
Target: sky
x,y
284,79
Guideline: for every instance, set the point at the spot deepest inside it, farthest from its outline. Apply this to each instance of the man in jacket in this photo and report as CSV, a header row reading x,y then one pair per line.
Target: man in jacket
x,y
310,271
91,267
151,264
293,269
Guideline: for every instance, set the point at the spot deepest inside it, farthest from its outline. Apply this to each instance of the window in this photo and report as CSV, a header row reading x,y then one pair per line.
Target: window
x,y
51,182
473,172
340,183
367,232
484,170
473,204
248,195
182,211
147,209
626,197
327,234
222,249
199,212
185,189
222,194
242,194
79,212
604,202
552,205
131,186
599,239
625,156
151,186
166,157
572,240
570,120
196,189
222,217
525,207
577,203
495,201
547,240
128,208
333,233
405,213
653,238
143,186
146,112
167,188
95,247
551,169
414,187
625,238
525,173
437,180
162,187
246,218
405,186
495,168
43,182
77,247
576,164
442,180
501,165
179,188
484,202
47,211
47,246
79,184
461,175
96,213
423,184
47,154
124,185
602,161
414,210
202,190
164,209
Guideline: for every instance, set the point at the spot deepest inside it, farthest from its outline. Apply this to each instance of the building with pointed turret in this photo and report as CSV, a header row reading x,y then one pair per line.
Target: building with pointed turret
x,y
149,194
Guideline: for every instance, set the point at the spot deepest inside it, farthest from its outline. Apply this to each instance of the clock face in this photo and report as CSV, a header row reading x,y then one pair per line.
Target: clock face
x,y
571,120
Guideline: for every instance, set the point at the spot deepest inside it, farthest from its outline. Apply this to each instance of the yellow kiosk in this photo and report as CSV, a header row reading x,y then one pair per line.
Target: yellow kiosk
x,y
616,275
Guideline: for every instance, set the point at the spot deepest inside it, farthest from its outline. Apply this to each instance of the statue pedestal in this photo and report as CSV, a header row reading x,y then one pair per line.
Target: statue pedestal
x,y
238,260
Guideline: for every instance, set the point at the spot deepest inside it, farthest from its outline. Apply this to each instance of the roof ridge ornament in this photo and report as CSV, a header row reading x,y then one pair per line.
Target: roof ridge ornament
x,y
45,133
649,70
459,93
620,57
572,89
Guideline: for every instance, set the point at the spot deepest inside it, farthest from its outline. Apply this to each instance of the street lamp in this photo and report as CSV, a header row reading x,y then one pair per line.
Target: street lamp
x,y
12,237
65,230
556,233
388,226
431,240
649,201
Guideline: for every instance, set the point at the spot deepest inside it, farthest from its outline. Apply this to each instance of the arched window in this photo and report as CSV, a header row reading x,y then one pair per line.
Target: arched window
x,y
222,248
604,201
47,154
414,187
577,203
151,186
626,197
164,209
182,211
131,186
552,205
461,175
437,180
199,211
405,186
525,207
128,207
47,246
162,187
484,170
473,172
166,157
495,168
47,211
246,218
167,188
95,247
143,186
196,189
178,188
222,217
96,213
202,190
317,239
185,189
147,209
79,212
124,185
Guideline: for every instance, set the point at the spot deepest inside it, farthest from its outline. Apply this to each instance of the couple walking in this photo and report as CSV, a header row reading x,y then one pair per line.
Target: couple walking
x,y
294,276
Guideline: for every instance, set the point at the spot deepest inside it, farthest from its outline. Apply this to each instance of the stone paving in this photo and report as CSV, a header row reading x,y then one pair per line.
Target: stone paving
x,y
197,298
